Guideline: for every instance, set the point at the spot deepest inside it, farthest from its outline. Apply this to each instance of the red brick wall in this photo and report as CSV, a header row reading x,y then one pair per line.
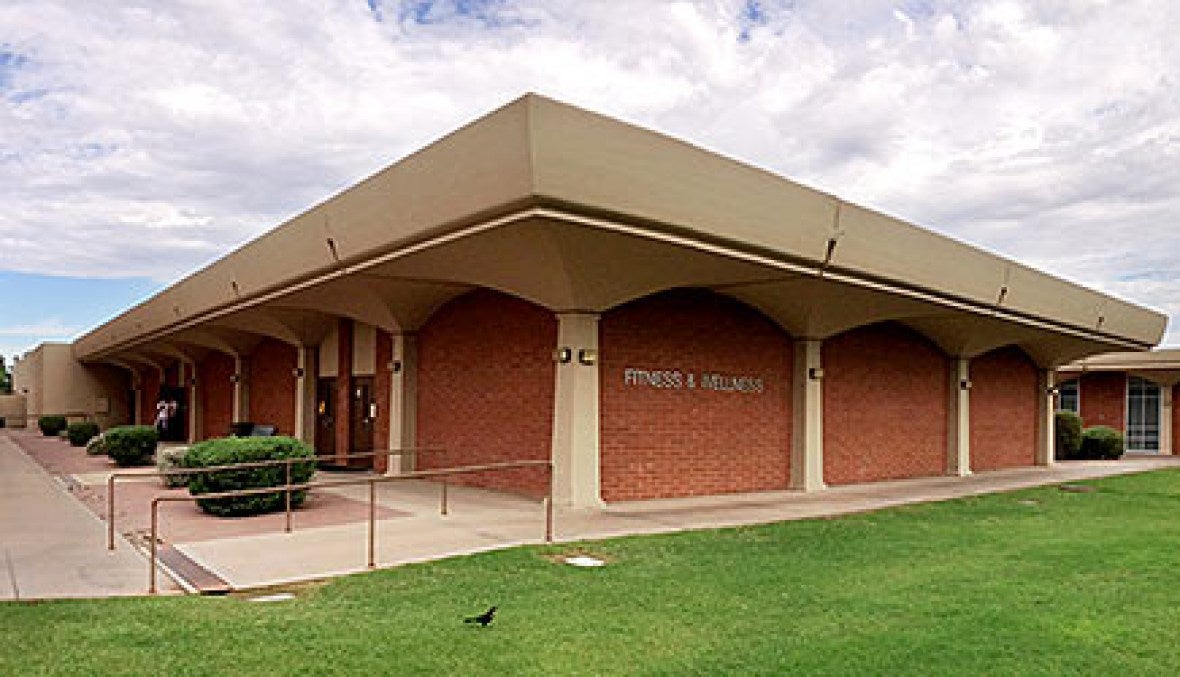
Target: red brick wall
x,y
382,381
485,387
1103,398
149,392
666,442
216,393
1003,410
1175,420
272,385
885,405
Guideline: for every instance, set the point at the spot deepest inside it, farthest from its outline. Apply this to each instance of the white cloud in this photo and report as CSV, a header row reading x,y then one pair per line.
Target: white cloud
x,y
151,139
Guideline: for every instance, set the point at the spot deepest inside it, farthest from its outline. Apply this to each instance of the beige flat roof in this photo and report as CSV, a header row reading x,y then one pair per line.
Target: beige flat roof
x,y
577,211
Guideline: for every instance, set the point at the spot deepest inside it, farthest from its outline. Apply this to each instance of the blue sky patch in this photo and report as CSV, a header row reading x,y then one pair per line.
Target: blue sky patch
x,y
55,308
10,62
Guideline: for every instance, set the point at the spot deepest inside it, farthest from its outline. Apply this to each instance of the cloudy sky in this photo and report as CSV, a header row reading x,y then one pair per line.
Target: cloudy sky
x,y
141,140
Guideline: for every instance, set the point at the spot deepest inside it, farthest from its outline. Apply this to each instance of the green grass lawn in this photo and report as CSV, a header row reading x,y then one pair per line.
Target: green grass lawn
x,y
1037,581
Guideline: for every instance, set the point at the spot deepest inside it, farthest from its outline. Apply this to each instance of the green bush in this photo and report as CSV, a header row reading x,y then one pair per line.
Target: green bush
x,y
1069,435
1101,442
131,444
81,433
97,446
228,450
51,426
169,458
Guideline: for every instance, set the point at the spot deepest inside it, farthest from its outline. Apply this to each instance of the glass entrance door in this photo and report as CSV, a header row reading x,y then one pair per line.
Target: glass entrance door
x,y
1143,415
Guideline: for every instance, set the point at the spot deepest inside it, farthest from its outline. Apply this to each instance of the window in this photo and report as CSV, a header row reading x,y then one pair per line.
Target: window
x,y
1143,415
1067,397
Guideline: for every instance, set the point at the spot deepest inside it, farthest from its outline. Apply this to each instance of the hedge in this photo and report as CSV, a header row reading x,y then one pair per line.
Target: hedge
x,y
1101,442
131,444
81,433
229,450
1068,435
51,426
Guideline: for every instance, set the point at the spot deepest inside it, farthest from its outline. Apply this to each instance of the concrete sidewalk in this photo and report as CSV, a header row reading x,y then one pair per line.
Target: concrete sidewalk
x,y
51,545
483,520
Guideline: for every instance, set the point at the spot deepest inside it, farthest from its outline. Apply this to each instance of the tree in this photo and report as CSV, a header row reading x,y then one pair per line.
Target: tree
x,y
5,378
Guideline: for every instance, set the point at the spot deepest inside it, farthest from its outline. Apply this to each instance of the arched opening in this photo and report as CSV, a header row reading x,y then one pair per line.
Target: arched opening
x,y
695,396
485,387
885,399
1004,403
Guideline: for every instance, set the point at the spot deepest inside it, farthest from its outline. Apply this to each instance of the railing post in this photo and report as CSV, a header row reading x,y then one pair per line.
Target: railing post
x,y
111,512
444,495
155,528
287,494
372,524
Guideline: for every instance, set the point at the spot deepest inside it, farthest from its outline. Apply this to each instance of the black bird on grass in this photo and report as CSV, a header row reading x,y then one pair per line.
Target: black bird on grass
x,y
483,619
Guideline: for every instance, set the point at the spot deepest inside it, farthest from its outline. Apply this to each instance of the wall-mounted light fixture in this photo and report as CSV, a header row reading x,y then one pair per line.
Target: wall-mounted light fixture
x,y
588,357
1052,390
235,378
965,384
297,372
815,373
563,355
395,366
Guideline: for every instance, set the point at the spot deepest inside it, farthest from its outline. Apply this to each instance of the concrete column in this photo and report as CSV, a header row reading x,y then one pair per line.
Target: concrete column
x,y
194,401
305,394
575,413
403,402
958,460
1046,426
807,411
1166,419
241,385
137,402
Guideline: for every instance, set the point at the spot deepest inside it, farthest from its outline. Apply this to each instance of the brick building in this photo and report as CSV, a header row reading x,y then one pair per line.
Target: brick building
x,y
1130,392
658,320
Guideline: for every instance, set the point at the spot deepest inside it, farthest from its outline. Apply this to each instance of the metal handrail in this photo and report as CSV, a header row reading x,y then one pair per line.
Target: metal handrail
x,y
245,465
372,482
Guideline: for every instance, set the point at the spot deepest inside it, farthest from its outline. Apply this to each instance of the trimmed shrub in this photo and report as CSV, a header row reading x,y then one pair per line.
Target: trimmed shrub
x,y
170,458
1101,442
81,433
97,446
51,426
129,445
1068,427
228,450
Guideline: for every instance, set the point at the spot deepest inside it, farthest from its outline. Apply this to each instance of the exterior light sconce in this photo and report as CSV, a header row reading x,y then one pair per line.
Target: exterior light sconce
x,y
235,378
965,384
395,366
588,357
815,373
192,382
297,372
563,355
1052,390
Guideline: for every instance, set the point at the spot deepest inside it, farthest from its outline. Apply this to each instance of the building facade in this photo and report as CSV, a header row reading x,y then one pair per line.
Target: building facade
x,y
659,321
1130,392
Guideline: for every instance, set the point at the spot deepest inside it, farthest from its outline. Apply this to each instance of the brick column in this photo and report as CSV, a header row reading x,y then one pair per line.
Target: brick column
x,y
959,418
807,410
403,401
343,390
1046,426
575,451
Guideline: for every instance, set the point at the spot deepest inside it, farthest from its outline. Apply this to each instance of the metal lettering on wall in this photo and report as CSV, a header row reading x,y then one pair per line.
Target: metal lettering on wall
x,y
674,379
